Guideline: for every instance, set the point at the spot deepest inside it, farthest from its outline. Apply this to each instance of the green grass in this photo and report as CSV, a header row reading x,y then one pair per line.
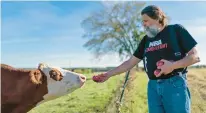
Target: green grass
x,y
95,98
92,98
135,98
197,85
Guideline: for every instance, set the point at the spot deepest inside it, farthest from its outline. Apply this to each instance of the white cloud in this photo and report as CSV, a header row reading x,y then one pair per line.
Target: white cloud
x,y
85,59
198,32
197,28
64,29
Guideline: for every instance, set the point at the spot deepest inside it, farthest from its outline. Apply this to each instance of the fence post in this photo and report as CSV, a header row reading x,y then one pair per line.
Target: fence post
x,y
119,103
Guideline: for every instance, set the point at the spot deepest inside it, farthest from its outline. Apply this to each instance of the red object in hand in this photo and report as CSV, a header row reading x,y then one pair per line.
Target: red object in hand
x,y
160,63
156,72
96,78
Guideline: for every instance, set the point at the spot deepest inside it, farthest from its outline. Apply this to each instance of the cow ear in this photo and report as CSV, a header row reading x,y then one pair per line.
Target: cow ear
x,y
40,66
36,76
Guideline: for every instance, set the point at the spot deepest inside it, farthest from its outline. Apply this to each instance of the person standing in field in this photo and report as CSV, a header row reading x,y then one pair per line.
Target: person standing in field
x,y
169,49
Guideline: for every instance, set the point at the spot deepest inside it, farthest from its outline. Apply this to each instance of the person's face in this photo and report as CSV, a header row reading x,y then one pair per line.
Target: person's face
x,y
151,26
147,21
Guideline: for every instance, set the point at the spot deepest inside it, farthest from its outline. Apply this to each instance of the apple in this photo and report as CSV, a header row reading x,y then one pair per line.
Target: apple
x,y
96,78
156,72
160,63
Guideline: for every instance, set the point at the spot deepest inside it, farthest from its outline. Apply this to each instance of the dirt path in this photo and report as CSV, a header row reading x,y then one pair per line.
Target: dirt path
x,y
114,104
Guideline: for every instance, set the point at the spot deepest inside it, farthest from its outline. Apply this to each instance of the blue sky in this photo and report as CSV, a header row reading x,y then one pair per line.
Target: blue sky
x,y
50,32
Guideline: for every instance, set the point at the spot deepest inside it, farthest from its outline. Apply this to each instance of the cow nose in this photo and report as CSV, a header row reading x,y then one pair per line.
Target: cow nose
x,y
82,78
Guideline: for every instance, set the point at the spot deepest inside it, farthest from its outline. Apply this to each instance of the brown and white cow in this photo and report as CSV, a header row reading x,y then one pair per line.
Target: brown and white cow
x,y
22,90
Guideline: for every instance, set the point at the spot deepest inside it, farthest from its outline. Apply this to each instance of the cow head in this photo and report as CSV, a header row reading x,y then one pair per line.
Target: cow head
x,y
61,81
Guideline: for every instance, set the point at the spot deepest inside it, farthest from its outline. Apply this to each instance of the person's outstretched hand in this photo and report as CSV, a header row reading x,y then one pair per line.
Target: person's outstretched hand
x,y
101,77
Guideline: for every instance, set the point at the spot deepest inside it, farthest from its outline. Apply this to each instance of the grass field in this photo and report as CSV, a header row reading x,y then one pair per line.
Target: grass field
x,y
92,98
197,84
136,99
99,98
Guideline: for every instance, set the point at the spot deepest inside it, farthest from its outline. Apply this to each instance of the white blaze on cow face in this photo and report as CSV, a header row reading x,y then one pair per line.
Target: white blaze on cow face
x,y
67,82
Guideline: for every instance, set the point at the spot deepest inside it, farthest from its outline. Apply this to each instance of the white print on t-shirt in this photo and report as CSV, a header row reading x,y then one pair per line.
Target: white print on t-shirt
x,y
145,63
155,43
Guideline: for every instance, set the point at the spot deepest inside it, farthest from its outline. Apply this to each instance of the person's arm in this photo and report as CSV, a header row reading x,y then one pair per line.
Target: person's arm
x,y
188,60
188,45
191,58
127,65
118,70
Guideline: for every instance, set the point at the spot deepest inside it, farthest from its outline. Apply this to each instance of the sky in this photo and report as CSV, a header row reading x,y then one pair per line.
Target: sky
x,y
51,32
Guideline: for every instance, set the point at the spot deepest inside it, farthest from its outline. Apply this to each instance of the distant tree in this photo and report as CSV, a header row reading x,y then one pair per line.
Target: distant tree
x,y
115,29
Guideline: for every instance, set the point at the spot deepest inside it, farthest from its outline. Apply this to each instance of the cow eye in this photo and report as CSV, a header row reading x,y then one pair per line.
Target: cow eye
x,y
52,73
56,75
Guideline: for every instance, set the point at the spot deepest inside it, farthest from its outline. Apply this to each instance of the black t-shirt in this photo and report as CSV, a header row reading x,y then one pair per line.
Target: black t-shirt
x,y
162,46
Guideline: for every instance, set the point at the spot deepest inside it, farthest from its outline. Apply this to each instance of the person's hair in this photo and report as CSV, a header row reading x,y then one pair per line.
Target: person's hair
x,y
156,13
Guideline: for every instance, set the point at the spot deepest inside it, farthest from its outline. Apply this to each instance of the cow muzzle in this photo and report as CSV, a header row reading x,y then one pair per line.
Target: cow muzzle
x,y
82,80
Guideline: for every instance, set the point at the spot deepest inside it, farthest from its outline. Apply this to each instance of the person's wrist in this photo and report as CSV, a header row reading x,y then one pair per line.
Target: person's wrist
x,y
173,65
108,74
